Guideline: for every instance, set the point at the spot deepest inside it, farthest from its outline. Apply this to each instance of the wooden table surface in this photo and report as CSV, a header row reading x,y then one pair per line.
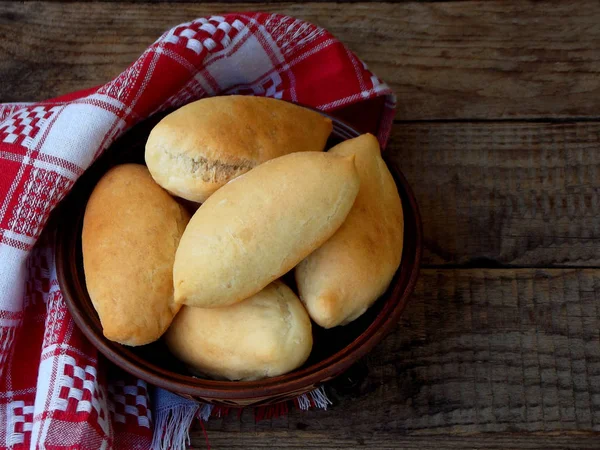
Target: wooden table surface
x,y
498,131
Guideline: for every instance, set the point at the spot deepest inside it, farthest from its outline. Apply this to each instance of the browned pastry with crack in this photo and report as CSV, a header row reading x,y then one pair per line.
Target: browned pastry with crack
x,y
198,148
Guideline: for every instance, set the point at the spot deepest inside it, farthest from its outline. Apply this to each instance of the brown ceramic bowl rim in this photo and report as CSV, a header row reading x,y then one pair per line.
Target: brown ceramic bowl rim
x,y
275,386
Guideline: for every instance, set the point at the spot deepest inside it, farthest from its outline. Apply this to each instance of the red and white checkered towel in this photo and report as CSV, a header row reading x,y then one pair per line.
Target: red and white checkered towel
x,y
54,393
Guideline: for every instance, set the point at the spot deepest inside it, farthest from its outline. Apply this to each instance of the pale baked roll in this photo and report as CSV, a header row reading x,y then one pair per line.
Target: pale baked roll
x,y
198,148
342,278
260,225
266,335
131,230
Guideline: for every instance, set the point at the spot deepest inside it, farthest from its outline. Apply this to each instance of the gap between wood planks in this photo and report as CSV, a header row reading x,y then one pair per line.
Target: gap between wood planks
x,y
475,120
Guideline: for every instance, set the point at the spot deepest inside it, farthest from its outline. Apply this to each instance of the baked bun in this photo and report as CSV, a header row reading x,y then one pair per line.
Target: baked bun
x,y
131,230
342,278
195,150
265,335
260,225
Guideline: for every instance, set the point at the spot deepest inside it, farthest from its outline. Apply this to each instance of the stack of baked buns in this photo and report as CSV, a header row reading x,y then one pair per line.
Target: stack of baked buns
x,y
272,200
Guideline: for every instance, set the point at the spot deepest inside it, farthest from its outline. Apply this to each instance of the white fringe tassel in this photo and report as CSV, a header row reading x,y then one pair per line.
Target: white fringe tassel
x,y
319,397
173,424
172,427
204,412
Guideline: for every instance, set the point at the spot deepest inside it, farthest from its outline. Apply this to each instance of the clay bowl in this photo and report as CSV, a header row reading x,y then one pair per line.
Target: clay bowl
x,y
334,350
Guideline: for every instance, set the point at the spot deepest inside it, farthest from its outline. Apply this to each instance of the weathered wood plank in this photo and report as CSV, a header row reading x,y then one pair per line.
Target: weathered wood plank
x,y
445,60
525,194
506,351
324,440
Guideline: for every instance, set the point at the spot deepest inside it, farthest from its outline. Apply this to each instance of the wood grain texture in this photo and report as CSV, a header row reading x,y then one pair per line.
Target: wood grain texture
x,y
524,194
451,60
506,351
325,440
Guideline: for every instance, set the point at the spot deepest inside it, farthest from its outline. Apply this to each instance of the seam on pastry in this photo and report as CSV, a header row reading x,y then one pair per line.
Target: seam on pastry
x,y
209,170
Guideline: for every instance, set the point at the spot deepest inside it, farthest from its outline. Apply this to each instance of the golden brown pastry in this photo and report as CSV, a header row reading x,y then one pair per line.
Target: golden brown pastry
x,y
131,230
342,278
260,225
265,335
198,148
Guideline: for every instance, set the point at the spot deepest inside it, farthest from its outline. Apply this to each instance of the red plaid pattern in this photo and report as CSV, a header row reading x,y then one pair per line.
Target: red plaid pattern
x,y
129,403
205,35
20,420
23,127
54,392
